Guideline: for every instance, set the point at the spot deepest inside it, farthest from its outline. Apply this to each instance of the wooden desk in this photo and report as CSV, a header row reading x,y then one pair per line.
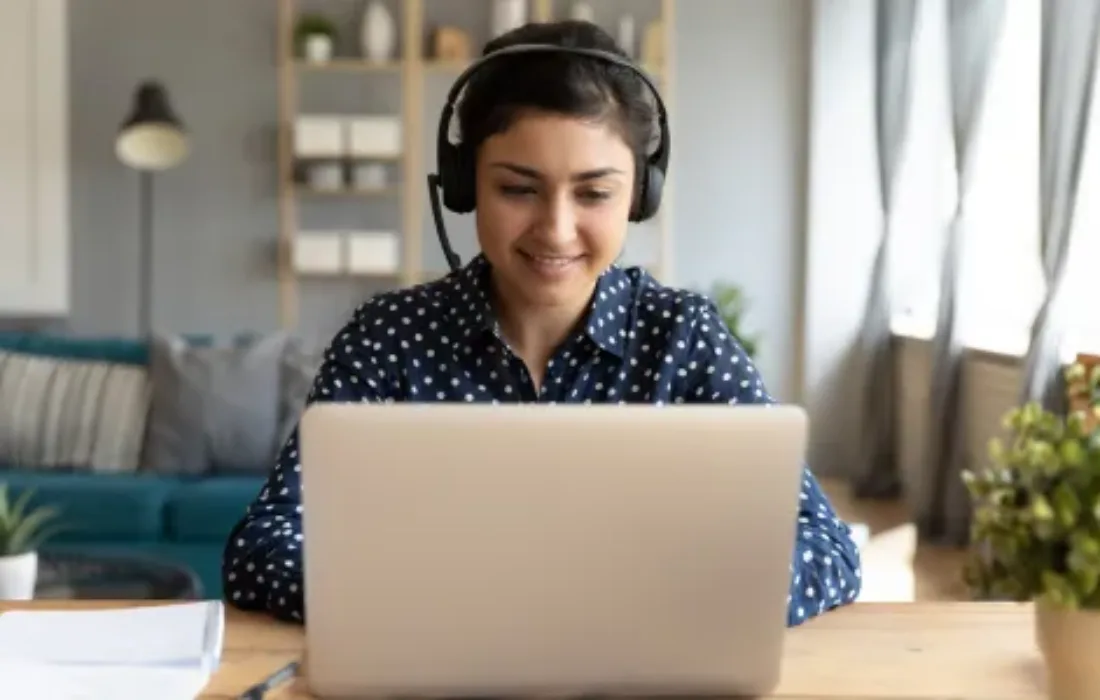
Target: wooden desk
x,y
868,651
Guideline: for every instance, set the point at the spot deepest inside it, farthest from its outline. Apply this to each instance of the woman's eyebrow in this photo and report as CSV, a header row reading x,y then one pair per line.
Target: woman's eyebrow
x,y
582,176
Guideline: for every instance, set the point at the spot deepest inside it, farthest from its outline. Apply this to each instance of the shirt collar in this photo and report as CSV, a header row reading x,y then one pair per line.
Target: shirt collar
x,y
606,323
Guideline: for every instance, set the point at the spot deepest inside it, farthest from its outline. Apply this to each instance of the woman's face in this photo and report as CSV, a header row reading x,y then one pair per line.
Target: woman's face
x,y
553,197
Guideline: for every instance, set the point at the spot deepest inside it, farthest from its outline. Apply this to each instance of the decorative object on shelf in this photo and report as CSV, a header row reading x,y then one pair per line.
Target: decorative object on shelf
x,y
324,176
582,12
22,532
1036,515
653,45
451,44
151,139
732,306
319,136
374,136
508,15
373,252
378,32
315,37
368,176
318,253
626,37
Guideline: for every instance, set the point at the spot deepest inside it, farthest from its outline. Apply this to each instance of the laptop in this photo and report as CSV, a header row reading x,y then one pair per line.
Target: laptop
x,y
479,550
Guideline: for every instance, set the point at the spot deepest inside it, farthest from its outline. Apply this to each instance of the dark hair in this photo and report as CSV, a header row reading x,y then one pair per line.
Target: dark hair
x,y
560,83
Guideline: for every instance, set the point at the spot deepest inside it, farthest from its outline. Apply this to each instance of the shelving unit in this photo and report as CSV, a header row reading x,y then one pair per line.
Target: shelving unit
x,y
422,82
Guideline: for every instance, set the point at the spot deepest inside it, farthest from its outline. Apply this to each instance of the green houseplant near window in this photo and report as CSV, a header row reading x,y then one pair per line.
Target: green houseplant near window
x,y
1035,531
22,531
732,306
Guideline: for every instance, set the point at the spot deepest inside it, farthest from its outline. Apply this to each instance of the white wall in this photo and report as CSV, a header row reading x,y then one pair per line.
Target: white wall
x,y
739,158
842,222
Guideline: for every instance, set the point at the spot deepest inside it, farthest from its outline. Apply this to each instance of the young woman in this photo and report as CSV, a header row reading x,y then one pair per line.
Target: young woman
x,y
556,149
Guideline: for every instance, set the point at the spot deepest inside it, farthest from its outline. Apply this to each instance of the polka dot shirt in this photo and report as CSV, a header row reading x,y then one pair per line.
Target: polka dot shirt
x,y
640,343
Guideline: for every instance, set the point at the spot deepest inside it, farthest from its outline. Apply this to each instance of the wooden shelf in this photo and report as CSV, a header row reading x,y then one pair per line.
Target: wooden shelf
x,y
437,66
348,158
387,191
348,274
349,65
418,73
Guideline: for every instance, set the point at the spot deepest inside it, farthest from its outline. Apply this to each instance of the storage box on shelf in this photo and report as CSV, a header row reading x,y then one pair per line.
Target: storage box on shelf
x,y
347,253
148,447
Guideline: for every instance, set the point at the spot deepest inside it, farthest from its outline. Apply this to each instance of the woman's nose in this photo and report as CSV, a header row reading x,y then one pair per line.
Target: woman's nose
x,y
560,222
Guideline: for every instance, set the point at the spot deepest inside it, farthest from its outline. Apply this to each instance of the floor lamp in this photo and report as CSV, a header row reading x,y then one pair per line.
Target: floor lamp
x,y
151,139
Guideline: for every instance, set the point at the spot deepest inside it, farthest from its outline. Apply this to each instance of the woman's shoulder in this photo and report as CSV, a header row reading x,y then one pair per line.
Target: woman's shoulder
x,y
663,304
397,314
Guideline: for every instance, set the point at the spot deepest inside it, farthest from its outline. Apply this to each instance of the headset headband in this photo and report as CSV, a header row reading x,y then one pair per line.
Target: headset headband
x,y
658,159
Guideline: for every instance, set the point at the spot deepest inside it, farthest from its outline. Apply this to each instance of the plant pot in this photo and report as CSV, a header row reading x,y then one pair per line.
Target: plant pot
x,y
318,48
1070,643
18,575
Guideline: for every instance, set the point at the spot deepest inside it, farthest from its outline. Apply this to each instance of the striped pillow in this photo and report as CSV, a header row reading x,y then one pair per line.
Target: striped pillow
x,y
66,414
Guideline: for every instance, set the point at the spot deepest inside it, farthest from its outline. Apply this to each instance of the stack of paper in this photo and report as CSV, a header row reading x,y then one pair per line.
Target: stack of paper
x,y
165,651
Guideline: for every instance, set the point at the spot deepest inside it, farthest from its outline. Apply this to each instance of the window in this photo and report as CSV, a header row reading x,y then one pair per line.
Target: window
x,y
925,188
1001,281
1081,288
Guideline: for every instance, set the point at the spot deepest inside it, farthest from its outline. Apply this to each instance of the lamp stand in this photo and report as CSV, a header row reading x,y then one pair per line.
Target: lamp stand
x,y
145,265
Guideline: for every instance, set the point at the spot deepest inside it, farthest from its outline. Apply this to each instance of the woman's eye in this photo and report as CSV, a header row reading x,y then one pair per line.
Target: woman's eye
x,y
517,190
594,195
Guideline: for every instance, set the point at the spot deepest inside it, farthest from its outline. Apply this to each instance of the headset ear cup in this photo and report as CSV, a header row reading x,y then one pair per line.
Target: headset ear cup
x,y
466,175
648,200
447,177
454,173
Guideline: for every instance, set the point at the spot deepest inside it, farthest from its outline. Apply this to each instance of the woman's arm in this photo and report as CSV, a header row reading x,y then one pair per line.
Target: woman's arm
x,y
825,568
262,561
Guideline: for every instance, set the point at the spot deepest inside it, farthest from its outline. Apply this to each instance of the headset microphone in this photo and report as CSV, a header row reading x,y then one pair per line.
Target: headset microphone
x,y
455,165
440,228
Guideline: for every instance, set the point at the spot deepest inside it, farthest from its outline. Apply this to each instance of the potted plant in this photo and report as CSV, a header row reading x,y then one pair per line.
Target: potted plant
x,y
315,36
22,531
732,306
1035,533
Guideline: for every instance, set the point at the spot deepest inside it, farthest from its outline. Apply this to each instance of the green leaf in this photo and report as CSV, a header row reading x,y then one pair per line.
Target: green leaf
x,y
1041,509
22,528
1072,453
1067,505
1058,590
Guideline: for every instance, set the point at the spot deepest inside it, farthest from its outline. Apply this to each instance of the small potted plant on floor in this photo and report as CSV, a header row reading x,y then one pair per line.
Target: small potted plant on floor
x,y
314,37
1035,533
22,531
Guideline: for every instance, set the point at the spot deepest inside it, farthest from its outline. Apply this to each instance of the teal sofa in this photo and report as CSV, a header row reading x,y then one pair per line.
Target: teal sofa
x,y
181,518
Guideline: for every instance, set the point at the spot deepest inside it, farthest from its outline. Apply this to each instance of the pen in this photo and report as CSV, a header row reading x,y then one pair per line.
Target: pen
x,y
281,676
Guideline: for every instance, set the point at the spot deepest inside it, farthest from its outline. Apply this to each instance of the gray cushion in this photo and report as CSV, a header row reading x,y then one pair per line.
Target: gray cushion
x,y
301,361
214,409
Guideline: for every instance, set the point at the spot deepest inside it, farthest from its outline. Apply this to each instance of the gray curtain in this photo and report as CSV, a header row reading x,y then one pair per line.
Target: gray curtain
x,y
1070,35
973,30
877,471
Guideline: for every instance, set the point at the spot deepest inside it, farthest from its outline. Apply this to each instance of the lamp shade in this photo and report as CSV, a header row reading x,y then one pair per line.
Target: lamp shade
x,y
152,137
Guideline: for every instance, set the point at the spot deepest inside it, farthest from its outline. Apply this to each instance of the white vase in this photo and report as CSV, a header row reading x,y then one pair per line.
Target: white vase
x,y
318,48
18,575
582,12
378,33
508,15
626,35
1070,643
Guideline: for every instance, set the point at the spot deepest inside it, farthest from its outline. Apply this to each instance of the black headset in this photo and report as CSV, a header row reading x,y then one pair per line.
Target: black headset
x,y
455,166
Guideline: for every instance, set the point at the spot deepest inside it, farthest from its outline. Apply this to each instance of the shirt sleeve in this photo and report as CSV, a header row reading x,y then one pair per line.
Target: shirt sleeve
x,y
262,560
825,568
